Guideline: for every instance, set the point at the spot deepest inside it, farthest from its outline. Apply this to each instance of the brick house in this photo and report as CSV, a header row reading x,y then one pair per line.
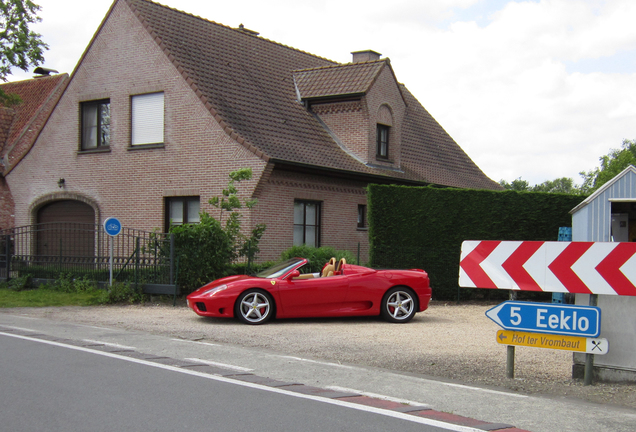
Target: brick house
x,y
163,105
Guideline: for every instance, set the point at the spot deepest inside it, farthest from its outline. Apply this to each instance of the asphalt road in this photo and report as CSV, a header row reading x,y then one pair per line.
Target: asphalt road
x,y
51,386
490,404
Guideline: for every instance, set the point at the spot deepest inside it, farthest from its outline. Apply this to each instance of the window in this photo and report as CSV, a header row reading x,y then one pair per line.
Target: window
x,y
382,142
147,119
307,223
95,124
362,216
181,210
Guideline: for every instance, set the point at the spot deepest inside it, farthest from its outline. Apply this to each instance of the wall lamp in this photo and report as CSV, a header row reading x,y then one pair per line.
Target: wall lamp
x,y
61,182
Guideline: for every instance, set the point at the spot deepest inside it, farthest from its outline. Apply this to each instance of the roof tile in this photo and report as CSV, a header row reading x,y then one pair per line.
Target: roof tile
x,y
352,78
19,131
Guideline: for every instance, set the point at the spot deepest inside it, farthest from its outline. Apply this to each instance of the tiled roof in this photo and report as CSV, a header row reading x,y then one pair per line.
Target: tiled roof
x,y
440,160
6,120
21,123
247,83
347,79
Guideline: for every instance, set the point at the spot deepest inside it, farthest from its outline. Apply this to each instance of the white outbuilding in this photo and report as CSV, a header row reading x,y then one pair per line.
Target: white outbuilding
x,y
609,215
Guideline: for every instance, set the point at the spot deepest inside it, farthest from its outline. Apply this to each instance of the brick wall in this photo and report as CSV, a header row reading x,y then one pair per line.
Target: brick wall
x,y
349,121
7,206
339,198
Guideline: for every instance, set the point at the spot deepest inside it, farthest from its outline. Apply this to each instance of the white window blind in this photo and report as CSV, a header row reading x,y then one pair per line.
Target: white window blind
x,y
147,119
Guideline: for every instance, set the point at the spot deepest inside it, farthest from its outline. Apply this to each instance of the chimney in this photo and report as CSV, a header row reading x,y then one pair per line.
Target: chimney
x,y
242,28
43,72
365,56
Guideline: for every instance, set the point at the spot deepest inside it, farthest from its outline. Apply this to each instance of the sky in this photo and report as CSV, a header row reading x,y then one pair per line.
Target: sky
x,y
537,89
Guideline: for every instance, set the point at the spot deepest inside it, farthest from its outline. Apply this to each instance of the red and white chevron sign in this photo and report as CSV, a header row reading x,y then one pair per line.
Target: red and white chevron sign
x,y
575,267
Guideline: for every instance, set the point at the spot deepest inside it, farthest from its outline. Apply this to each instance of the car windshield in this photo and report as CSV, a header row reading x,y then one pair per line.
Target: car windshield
x,y
279,269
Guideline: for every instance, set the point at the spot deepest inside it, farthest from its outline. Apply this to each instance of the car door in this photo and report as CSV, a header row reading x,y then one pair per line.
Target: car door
x,y
322,296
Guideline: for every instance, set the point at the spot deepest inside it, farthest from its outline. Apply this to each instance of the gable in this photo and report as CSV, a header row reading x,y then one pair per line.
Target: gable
x,y
621,186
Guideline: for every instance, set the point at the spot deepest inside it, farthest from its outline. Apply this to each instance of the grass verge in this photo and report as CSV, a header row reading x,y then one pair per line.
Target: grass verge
x,y
67,290
41,297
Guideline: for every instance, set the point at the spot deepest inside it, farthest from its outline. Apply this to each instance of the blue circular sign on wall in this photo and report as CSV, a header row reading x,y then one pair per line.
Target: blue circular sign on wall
x,y
112,226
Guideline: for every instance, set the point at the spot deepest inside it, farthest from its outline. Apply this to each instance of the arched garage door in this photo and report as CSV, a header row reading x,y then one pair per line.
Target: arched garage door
x,y
66,228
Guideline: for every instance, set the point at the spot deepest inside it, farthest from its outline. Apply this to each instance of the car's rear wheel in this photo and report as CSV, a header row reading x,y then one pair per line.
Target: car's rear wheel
x,y
254,307
399,305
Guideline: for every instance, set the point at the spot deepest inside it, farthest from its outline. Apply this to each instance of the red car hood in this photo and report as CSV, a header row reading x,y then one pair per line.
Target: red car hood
x,y
225,280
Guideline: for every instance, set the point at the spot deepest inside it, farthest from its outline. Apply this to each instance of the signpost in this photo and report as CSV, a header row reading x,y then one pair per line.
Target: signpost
x,y
112,226
598,346
584,321
560,267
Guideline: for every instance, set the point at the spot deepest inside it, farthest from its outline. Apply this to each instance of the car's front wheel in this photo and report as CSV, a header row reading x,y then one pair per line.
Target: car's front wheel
x,y
254,307
399,305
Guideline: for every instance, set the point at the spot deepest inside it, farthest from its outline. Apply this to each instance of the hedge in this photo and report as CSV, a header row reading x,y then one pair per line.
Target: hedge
x,y
424,227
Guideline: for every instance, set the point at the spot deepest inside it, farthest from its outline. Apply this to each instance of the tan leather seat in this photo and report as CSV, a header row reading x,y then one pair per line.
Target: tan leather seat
x,y
330,268
341,263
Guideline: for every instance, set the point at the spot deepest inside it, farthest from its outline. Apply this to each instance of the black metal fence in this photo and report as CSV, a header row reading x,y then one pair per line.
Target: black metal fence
x,y
46,251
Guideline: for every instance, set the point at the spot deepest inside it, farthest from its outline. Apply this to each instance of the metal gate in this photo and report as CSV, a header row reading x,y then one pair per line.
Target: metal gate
x,y
45,251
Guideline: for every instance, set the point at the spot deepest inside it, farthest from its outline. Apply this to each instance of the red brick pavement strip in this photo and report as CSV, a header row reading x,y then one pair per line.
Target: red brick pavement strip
x,y
431,414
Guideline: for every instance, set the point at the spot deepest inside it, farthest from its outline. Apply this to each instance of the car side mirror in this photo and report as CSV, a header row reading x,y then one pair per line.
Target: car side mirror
x,y
294,274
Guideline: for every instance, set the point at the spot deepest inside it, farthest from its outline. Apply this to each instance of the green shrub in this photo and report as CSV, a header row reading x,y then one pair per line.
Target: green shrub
x,y
241,268
204,251
317,257
121,292
207,250
20,283
71,283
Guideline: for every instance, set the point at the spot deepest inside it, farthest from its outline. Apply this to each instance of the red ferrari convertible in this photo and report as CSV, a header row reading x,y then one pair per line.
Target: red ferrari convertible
x,y
283,291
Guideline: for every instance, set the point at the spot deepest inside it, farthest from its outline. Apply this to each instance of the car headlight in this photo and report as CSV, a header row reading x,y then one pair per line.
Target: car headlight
x,y
214,290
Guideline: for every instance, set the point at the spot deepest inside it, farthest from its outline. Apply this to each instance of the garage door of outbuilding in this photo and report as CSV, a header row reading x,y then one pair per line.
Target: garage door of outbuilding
x,y
66,228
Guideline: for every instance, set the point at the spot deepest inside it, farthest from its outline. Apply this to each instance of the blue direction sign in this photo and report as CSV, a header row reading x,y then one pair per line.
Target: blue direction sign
x,y
548,318
112,226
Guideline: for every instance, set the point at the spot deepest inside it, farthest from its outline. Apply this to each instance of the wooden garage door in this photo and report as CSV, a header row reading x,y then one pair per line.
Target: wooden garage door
x,y
66,228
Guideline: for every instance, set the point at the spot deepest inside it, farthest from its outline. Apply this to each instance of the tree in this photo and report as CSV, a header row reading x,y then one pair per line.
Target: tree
x,y
561,185
230,202
518,185
611,164
19,46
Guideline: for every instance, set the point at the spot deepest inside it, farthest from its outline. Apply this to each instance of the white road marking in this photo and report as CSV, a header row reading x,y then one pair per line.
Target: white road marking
x,y
418,379
388,413
195,342
223,365
317,362
94,327
473,388
114,345
20,328
378,396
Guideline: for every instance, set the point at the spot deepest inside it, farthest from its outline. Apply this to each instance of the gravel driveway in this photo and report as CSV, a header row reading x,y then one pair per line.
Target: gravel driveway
x,y
449,341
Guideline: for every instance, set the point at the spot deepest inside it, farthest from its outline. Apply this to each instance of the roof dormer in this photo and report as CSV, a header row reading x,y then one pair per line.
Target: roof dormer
x,y
360,105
